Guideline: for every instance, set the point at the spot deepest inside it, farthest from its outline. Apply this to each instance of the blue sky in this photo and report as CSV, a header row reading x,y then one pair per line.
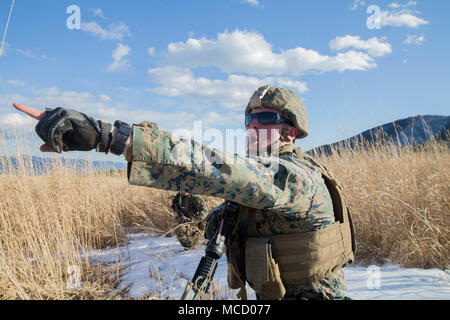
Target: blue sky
x,y
175,62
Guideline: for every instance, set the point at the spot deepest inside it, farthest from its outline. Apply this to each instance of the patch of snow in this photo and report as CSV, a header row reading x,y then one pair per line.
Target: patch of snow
x,y
162,268
395,283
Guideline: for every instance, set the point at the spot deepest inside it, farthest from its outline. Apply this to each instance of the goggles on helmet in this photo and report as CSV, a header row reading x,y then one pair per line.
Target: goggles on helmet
x,y
267,118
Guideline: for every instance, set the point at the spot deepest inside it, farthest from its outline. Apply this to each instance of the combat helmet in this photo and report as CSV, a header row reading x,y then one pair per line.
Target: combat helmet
x,y
284,100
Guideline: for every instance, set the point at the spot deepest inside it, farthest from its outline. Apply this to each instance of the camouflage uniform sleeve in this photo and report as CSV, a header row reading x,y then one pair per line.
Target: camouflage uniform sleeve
x,y
164,162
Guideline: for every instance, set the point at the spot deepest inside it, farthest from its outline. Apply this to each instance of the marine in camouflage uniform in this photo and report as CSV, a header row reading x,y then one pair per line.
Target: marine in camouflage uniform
x,y
191,212
288,192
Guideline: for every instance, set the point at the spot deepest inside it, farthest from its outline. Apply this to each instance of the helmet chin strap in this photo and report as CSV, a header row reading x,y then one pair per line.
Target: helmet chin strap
x,y
284,138
283,141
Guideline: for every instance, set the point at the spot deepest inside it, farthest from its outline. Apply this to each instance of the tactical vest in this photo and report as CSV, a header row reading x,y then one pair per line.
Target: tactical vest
x,y
270,263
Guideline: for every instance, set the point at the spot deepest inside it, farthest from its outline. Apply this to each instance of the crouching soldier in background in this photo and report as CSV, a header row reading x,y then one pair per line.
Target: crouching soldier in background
x,y
191,212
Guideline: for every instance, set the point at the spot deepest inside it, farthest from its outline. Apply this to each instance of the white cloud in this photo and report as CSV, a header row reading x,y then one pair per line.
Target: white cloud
x,y
15,120
403,18
374,46
35,55
99,106
114,32
401,15
124,89
398,15
104,97
51,91
395,5
232,92
3,50
252,2
414,39
248,52
16,83
247,61
301,87
98,12
151,51
120,64
27,53
357,4
176,81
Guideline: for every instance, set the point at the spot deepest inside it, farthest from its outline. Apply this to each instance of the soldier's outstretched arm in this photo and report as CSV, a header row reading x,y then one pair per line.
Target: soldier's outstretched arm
x,y
157,159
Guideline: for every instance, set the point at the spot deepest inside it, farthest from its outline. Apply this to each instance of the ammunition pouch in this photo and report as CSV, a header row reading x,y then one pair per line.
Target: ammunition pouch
x,y
235,260
310,256
265,277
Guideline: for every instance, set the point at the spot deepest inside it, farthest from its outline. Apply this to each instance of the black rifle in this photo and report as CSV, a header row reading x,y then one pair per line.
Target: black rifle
x,y
199,287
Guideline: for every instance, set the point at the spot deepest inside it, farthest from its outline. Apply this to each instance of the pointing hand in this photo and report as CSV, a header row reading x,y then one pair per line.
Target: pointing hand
x,y
68,130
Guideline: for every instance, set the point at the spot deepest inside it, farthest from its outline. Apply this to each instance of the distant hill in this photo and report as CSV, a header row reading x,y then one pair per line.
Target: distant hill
x,y
42,165
414,131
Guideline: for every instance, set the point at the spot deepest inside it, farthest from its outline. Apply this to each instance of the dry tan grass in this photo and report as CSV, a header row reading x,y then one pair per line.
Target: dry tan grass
x,y
48,223
399,199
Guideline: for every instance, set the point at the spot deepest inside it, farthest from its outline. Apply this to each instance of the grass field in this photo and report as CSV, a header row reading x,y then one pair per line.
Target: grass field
x,y
399,199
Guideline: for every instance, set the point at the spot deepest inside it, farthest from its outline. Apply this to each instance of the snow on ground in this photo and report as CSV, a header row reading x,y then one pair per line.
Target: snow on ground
x,y
397,283
161,267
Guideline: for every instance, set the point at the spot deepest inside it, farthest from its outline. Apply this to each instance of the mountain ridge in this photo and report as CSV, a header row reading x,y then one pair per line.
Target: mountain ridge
x,y
414,131
42,165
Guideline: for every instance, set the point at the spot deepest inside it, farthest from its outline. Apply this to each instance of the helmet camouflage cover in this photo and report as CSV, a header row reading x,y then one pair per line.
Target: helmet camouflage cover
x,y
286,101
